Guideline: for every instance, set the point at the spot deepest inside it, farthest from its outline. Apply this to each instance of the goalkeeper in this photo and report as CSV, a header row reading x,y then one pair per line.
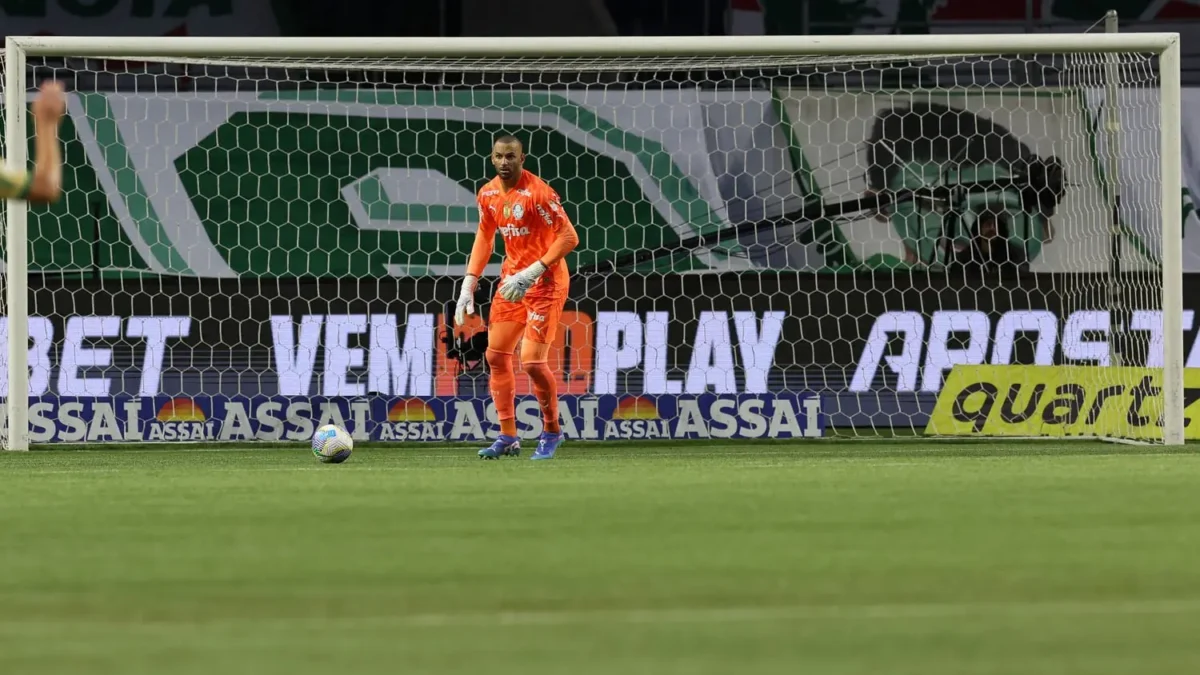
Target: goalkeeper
x,y
44,184
534,282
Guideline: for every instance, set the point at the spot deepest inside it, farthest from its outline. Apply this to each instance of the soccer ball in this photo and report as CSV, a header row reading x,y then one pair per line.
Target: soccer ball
x,y
332,444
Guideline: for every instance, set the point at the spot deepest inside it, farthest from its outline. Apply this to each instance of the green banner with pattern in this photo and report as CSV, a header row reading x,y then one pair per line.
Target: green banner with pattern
x,y
374,183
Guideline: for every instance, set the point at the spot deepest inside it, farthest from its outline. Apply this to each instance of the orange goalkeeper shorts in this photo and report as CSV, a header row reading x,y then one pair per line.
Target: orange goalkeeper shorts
x,y
540,315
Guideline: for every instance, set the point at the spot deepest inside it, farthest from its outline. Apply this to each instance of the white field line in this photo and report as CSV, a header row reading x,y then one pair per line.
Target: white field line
x,y
812,612
744,464
878,612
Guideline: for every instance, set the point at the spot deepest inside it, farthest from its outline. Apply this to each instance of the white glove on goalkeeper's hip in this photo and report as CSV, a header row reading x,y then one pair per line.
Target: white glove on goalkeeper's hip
x,y
466,300
516,286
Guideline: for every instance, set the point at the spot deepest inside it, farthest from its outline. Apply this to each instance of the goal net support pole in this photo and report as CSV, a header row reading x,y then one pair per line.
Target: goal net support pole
x,y
1172,235
16,267
344,53
1112,129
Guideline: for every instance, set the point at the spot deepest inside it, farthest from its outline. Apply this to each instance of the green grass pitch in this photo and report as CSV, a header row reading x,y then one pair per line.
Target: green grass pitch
x,y
822,557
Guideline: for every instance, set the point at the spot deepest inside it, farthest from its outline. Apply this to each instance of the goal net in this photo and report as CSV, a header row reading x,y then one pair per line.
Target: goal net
x,y
814,238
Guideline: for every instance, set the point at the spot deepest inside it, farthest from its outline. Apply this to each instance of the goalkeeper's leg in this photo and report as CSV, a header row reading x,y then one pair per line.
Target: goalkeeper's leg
x,y
543,320
506,324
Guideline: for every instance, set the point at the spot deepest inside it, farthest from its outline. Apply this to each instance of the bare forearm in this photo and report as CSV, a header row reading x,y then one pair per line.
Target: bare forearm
x,y
47,170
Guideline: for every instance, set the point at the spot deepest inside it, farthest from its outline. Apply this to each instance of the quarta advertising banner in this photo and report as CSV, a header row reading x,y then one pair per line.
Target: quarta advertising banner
x,y
381,182
1059,401
852,350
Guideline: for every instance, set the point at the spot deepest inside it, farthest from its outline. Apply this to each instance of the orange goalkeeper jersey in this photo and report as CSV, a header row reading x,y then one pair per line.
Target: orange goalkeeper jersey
x,y
531,220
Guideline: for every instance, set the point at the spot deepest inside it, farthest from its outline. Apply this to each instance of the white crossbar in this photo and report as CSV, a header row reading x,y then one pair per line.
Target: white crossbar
x,y
729,45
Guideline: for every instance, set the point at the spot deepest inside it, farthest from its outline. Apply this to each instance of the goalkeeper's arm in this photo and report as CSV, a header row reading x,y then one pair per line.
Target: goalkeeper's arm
x,y
44,184
565,240
481,252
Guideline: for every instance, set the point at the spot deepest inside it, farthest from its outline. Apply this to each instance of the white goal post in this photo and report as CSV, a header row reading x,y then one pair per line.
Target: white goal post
x,y
750,56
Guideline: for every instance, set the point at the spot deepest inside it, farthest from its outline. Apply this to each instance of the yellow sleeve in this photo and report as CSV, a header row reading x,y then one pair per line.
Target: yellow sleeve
x,y
14,184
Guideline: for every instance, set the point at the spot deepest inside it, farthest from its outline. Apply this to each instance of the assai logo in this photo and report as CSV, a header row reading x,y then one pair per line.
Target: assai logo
x,y
411,419
514,231
181,419
636,408
637,417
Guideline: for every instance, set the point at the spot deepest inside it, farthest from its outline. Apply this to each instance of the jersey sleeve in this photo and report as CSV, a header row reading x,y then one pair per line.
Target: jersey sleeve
x,y
485,240
550,209
14,184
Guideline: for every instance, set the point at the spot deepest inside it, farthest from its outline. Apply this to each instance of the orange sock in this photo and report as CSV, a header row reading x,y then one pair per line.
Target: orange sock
x,y
546,390
503,384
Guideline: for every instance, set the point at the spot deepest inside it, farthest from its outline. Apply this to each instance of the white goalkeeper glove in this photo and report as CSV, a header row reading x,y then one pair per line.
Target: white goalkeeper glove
x,y
516,286
466,299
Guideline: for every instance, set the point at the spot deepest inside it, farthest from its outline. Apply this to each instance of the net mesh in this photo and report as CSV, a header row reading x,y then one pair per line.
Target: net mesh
x,y
248,248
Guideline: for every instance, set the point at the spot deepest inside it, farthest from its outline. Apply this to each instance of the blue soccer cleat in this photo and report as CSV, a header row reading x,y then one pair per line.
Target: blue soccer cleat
x,y
504,445
547,444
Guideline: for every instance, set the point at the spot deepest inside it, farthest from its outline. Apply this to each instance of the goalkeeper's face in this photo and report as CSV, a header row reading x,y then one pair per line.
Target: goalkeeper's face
x,y
508,159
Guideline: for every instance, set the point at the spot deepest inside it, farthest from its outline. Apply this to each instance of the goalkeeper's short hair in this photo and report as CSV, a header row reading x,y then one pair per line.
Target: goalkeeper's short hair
x,y
509,138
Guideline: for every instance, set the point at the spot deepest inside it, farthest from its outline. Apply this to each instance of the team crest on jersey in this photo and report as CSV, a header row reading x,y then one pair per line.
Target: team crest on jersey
x,y
518,212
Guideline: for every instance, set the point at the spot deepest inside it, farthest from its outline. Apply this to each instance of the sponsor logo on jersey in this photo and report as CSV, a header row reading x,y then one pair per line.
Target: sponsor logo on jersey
x,y
534,316
514,231
524,193
545,216
488,193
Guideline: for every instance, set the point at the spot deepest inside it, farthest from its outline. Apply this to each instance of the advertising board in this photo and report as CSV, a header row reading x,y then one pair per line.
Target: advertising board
x,y
874,352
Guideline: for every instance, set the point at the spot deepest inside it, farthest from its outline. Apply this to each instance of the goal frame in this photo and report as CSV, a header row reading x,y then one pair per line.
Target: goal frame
x,y
1165,45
